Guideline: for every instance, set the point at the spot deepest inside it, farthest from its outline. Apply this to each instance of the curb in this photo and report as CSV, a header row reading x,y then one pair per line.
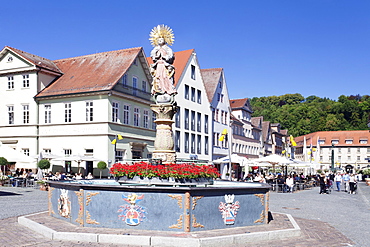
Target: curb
x,y
228,240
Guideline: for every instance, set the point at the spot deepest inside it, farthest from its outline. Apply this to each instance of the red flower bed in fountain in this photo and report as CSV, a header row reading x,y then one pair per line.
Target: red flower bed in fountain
x,y
148,170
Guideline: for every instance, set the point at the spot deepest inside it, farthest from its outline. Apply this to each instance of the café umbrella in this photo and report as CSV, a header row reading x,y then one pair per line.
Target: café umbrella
x,y
77,158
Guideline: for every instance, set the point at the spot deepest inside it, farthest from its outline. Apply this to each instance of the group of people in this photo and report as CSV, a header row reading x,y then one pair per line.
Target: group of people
x,y
24,173
64,176
349,181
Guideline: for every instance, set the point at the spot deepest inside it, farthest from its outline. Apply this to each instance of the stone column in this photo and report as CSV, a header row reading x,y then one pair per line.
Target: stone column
x,y
164,143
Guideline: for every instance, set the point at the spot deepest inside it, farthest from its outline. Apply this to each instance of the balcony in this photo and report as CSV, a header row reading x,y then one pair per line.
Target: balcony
x,y
133,91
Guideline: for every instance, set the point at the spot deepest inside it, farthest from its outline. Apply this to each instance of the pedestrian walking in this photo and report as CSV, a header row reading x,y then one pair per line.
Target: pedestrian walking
x,y
322,181
346,181
338,180
352,184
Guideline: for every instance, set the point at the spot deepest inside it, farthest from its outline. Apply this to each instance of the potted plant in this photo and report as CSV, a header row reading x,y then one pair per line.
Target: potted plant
x,y
2,179
101,166
43,184
366,173
44,164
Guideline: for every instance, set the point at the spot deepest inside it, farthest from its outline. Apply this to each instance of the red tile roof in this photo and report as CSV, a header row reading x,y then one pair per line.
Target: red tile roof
x,y
340,136
211,77
91,73
181,60
238,103
36,60
257,121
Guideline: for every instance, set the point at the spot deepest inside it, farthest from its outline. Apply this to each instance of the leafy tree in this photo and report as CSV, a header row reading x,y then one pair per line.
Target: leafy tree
x,y
306,115
3,161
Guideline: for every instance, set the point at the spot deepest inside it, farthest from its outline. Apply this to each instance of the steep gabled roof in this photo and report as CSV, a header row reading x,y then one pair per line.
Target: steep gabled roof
x,y
257,121
36,60
181,60
211,77
91,73
265,130
238,103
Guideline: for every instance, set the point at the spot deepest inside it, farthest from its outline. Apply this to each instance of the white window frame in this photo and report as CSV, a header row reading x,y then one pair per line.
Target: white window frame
x,y
134,85
187,92
47,109
26,151
186,119
124,80
206,145
89,111
126,114
192,75
115,111
192,144
192,94
199,95
67,152
26,114
26,81
144,86
199,144
136,117
186,147
10,114
67,112
10,82
146,119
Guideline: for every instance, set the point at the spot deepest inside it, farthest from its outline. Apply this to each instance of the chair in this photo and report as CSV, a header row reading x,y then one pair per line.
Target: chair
x,y
30,183
8,183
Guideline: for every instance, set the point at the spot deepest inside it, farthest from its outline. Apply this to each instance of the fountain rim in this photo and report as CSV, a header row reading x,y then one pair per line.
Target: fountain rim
x,y
147,188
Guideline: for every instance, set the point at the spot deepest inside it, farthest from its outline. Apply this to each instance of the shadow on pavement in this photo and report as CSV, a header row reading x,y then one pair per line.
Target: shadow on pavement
x,y
5,193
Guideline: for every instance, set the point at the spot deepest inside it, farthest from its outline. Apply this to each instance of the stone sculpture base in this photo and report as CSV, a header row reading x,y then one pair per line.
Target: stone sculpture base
x,y
163,143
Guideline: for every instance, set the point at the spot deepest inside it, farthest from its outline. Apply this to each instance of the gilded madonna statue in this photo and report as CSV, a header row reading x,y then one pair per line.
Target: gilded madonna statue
x,y
162,69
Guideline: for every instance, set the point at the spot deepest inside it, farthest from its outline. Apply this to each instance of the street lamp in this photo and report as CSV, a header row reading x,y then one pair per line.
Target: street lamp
x,y
332,157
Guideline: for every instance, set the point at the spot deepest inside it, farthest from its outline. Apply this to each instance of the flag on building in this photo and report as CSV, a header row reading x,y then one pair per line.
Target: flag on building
x,y
304,149
223,135
293,143
120,137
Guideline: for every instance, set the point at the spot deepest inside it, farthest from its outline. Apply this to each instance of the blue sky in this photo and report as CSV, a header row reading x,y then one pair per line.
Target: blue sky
x,y
266,47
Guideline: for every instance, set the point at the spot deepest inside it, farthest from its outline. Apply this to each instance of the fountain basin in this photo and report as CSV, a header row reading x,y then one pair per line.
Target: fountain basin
x,y
106,203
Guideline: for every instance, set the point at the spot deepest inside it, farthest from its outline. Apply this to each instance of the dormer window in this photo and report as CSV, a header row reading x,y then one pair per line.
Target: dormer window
x,y
363,141
334,142
349,141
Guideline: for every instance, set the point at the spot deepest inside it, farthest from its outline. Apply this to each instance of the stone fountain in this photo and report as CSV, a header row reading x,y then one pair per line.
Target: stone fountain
x,y
109,204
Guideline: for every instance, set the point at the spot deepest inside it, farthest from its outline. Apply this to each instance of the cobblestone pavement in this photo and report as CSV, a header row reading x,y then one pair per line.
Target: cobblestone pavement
x,y
347,213
338,219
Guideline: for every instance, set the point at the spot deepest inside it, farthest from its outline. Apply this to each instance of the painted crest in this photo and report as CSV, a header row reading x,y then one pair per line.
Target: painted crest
x,y
64,204
131,213
229,209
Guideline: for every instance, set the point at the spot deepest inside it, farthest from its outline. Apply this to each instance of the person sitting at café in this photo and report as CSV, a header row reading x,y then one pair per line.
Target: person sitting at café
x,y
289,184
89,176
281,183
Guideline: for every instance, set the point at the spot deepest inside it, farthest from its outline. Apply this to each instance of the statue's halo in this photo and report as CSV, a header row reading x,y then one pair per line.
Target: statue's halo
x,y
161,31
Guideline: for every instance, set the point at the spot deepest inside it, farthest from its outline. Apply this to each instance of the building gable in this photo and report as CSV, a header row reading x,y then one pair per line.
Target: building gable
x,y
10,62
